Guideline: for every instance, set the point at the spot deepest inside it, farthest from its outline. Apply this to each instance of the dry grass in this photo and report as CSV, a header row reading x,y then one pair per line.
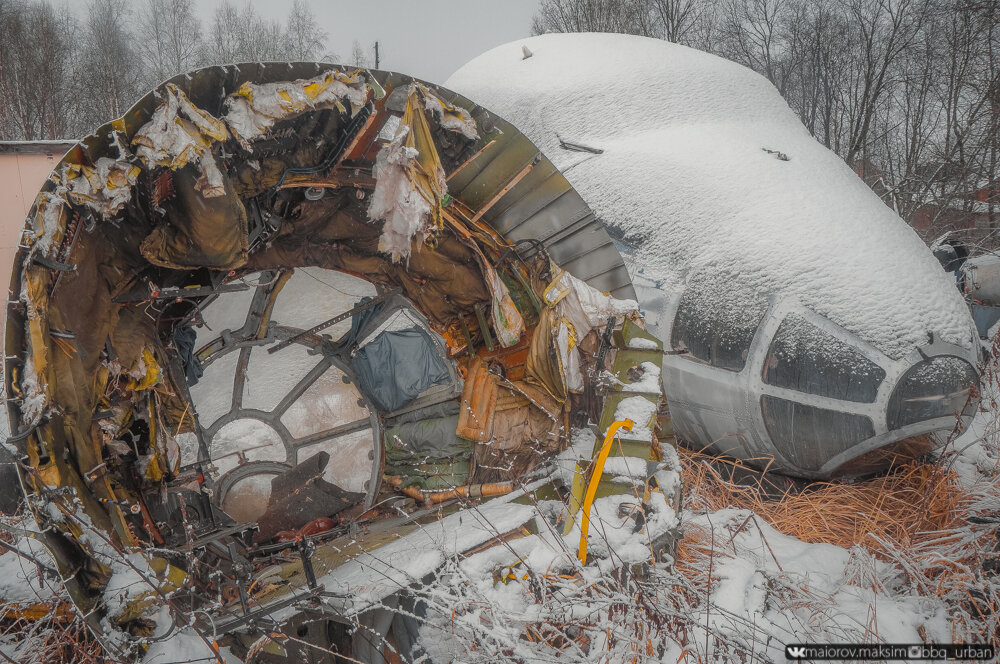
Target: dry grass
x,y
49,630
918,517
49,633
910,504
59,638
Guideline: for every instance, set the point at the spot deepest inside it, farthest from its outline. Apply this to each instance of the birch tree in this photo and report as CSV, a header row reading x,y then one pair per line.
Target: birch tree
x,y
111,76
304,38
37,71
170,39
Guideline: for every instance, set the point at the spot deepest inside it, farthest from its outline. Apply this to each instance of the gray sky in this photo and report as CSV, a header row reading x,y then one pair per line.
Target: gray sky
x,y
428,39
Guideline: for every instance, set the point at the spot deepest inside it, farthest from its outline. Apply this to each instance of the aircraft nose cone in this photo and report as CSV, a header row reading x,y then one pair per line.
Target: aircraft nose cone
x,y
939,387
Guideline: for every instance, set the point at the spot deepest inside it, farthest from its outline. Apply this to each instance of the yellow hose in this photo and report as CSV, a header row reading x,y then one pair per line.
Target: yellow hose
x,y
595,479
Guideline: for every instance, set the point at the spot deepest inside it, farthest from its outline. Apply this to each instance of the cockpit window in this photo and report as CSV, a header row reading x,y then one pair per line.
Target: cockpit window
x,y
938,387
716,321
805,358
810,436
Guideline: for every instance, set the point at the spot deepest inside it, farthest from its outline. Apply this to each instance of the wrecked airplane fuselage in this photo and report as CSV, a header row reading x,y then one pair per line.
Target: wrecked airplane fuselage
x,y
812,332
274,331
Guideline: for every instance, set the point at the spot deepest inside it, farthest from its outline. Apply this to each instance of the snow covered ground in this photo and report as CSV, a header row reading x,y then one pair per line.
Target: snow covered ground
x,y
741,592
742,588
531,600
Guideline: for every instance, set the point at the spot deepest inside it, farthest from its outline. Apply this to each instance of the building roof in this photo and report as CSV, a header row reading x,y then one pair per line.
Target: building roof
x,y
36,147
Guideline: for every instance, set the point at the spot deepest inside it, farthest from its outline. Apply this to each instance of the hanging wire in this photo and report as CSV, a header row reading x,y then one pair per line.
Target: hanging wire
x,y
260,284
328,285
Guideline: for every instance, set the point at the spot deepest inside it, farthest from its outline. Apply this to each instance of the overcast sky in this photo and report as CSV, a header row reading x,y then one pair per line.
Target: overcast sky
x,y
428,39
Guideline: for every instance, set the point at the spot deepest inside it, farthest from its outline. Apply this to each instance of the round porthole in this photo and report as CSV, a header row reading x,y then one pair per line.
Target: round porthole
x,y
245,491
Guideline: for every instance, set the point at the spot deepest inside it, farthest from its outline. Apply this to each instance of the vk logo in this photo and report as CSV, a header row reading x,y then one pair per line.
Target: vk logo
x,y
795,652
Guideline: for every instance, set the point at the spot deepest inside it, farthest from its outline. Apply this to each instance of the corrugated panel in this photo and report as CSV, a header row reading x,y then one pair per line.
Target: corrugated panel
x,y
542,205
526,207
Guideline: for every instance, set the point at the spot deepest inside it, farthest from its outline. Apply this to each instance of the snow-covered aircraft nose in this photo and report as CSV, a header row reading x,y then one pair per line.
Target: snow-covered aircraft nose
x,y
780,385
810,328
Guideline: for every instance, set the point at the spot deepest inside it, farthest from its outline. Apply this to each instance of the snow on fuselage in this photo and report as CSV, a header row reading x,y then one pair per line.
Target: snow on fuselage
x,y
819,329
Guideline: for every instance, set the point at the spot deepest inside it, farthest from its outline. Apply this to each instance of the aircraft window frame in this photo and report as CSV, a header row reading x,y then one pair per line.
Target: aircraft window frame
x,y
824,364
805,434
397,311
922,405
713,334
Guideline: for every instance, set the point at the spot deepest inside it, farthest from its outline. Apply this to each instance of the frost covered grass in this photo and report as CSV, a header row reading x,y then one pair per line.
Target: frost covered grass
x,y
58,638
902,558
910,556
38,625
907,557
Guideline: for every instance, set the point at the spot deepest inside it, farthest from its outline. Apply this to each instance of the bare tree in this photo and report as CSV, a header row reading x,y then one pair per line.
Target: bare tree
x,y
967,83
682,21
752,34
241,35
678,18
62,75
305,39
111,73
169,38
358,56
37,71
626,16
883,30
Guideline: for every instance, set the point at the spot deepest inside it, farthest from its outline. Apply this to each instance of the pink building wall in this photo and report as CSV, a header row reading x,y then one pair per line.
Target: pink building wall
x,y
23,168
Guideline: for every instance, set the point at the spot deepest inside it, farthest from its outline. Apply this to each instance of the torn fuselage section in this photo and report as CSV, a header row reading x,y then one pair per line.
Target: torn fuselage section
x,y
271,326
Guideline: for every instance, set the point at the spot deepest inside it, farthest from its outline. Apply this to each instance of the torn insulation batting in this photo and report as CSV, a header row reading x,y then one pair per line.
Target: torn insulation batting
x,y
180,133
410,183
105,188
47,222
254,109
578,308
507,321
453,118
396,200
583,305
33,395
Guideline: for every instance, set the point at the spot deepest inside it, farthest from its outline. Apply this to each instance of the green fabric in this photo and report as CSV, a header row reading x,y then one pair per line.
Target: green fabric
x,y
432,477
417,442
427,454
